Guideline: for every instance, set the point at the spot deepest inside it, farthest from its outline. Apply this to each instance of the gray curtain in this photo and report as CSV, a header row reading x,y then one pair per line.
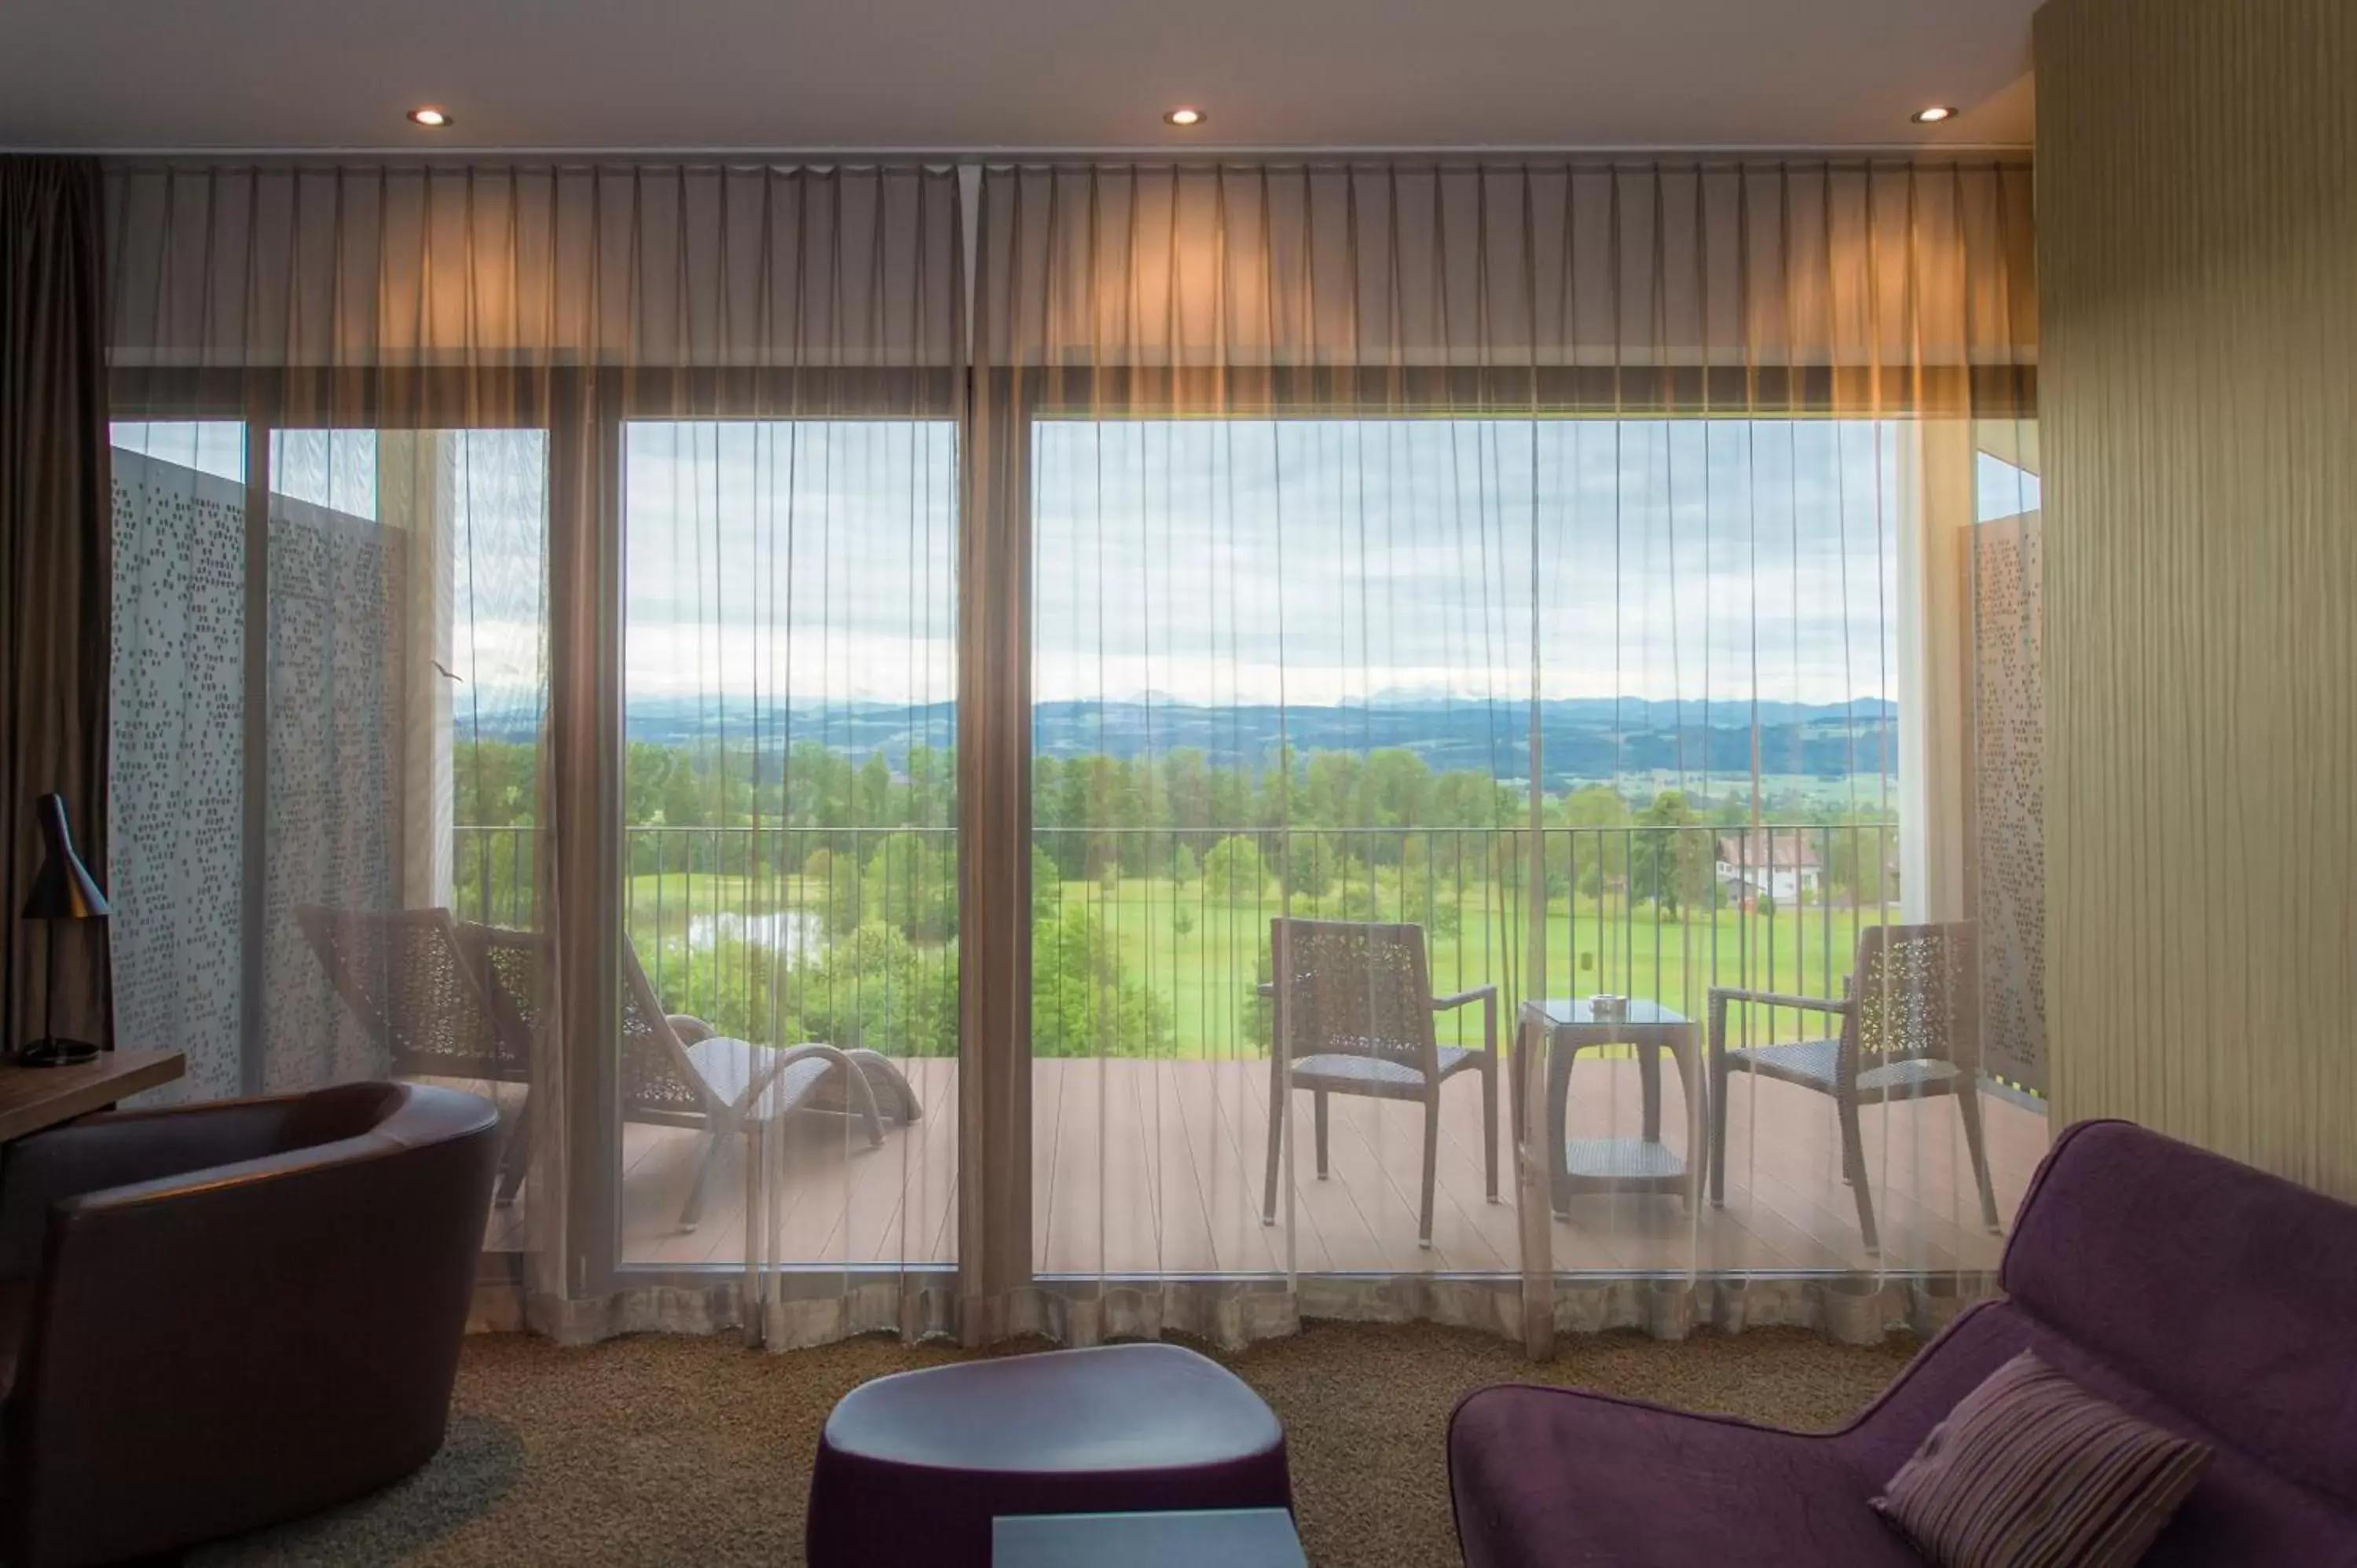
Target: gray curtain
x,y
56,550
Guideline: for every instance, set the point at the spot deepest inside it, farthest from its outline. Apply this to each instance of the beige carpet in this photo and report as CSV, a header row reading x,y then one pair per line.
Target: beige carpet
x,y
698,1451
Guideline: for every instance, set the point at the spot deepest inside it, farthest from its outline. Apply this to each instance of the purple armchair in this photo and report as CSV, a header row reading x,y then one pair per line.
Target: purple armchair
x,y
2199,1294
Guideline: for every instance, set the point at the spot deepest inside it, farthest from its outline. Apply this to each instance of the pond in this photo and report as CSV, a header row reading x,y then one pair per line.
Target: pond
x,y
792,934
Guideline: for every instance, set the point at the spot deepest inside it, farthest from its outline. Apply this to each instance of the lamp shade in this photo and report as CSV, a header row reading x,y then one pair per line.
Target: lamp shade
x,y
64,888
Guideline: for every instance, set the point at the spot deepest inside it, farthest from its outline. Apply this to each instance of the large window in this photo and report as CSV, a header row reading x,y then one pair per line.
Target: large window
x,y
842,697
790,801
1297,669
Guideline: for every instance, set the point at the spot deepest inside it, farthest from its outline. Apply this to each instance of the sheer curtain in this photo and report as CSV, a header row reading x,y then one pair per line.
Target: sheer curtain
x,y
529,577
1104,749
1448,594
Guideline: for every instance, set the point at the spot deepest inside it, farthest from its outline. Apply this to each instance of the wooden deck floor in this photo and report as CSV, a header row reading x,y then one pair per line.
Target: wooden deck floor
x,y
1146,1168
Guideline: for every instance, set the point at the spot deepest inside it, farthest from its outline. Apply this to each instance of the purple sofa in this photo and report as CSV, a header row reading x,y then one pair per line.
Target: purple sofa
x,y
2196,1293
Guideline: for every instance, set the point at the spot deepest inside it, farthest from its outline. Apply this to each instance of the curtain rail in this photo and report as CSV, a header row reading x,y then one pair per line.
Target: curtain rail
x,y
1467,158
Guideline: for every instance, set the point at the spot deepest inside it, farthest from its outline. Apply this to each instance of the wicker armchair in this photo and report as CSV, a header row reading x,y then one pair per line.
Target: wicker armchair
x,y
1355,1015
408,976
1910,1030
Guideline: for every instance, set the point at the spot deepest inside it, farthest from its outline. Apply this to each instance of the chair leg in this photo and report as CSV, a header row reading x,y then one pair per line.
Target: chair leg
x,y
1277,1099
1718,1076
890,1090
1319,1114
1968,1103
1431,1163
862,1093
1854,1169
515,1161
692,1215
1649,1084
1490,1126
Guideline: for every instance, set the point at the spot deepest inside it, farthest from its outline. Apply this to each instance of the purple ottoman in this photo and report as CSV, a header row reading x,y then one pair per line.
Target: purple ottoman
x,y
913,1467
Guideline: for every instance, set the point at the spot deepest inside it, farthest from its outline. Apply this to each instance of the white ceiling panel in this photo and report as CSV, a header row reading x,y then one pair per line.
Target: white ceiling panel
x,y
959,75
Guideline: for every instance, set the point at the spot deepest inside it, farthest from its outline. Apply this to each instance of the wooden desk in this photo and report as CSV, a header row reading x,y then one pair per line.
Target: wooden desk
x,y
33,1098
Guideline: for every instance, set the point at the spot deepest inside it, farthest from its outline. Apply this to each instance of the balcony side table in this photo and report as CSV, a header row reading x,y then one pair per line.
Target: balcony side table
x,y
1643,1163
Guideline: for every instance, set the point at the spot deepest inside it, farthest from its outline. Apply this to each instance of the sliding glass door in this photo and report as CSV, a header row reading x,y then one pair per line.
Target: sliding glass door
x,y
789,839
1512,710
1281,674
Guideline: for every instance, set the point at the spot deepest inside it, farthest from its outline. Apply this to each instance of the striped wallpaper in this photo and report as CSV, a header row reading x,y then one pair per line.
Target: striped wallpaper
x,y
2197,206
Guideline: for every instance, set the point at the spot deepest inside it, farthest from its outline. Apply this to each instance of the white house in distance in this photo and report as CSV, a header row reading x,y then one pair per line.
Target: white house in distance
x,y
1780,866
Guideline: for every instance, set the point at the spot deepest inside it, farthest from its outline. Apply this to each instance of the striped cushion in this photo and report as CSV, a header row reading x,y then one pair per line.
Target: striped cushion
x,y
2031,1470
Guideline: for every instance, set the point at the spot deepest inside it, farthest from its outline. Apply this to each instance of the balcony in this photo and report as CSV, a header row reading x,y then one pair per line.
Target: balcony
x,y
1149,1125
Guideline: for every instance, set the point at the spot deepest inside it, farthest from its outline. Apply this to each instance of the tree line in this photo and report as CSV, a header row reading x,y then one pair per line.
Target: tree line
x,y
1095,811
869,848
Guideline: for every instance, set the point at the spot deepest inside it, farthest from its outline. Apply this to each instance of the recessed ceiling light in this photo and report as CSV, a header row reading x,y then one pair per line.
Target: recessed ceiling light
x,y
1933,115
1183,118
431,117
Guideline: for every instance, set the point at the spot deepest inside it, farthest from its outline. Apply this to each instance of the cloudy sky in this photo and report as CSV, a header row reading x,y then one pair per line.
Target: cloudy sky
x,y
1340,561
1312,561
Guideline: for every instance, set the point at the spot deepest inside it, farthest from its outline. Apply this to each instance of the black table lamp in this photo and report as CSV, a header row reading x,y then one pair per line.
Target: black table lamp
x,y
64,890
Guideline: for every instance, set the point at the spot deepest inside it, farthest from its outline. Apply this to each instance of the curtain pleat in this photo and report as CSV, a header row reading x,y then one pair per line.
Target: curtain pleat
x,y
56,551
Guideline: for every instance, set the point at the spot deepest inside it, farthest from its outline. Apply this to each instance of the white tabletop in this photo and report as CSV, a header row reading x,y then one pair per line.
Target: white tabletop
x,y
1566,1011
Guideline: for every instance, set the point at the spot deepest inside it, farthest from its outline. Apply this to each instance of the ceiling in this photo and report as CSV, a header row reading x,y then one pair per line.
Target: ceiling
x,y
954,75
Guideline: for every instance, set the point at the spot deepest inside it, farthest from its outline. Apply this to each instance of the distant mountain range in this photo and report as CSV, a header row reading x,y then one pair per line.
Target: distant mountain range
x,y
1582,738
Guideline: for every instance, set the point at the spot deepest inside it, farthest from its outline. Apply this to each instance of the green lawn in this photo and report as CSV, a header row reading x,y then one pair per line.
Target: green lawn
x,y
1201,953
1208,971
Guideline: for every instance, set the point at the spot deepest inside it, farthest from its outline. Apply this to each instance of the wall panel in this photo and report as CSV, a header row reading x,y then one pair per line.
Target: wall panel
x,y
2197,211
